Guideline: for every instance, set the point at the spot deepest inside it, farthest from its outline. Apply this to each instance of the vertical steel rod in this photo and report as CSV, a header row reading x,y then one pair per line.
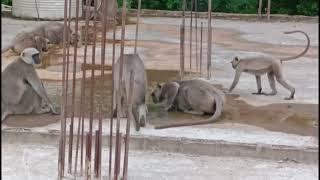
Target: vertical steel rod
x,y
112,96
118,138
209,41
268,9
182,31
196,24
74,84
92,82
129,118
61,162
95,167
137,27
100,144
259,8
201,31
83,80
190,43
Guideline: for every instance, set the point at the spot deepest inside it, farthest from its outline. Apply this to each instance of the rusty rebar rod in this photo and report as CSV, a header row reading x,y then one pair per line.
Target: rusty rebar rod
x,y
182,31
83,81
87,171
268,9
209,41
137,27
112,96
61,161
118,138
74,86
96,151
129,118
201,31
92,90
190,43
259,8
183,13
100,144
196,24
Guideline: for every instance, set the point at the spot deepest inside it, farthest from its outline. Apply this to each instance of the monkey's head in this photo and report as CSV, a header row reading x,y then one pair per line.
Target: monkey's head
x,y
155,94
42,43
235,62
30,56
75,39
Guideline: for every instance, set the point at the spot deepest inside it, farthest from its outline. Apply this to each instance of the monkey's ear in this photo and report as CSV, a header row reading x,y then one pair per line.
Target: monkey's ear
x,y
236,58
158,85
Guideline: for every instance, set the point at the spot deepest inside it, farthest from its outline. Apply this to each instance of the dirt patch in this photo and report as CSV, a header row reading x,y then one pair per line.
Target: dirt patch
x,y
299,119
30,121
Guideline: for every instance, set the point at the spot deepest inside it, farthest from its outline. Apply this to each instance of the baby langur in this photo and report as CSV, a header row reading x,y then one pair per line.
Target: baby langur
x,y
260,65
22,91
54,32
192,96
25,40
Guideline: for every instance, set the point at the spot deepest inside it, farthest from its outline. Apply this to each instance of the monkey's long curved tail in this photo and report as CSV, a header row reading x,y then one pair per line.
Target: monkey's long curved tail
x,y
219,107
303,52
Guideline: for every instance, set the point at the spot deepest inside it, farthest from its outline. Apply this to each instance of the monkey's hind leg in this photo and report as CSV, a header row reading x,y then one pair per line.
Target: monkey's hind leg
x,y
258,79
278,73
272,85
287,86
135,112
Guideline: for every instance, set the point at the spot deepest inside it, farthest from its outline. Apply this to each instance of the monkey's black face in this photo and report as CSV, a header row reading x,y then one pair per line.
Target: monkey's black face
x,y
36,59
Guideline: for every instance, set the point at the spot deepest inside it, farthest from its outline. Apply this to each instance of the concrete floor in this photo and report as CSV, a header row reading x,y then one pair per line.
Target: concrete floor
x,y
39,162
158,46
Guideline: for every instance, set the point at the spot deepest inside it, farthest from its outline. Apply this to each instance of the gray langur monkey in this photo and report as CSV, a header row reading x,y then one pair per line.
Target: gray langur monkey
x,y
54,32
22,91
259,65
25,40
132,63
191,96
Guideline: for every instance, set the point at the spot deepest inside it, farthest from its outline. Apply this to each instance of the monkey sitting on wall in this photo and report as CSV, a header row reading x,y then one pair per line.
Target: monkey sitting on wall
x,y
260,65
191,96
22,91
25,40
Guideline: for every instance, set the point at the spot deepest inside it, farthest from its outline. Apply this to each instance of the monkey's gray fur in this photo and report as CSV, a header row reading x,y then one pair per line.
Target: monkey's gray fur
x,y
54,32
190,96
260,65
132,62
22,91
25,40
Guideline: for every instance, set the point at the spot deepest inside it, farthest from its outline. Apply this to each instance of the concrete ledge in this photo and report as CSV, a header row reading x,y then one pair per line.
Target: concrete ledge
x,y
218,15
183,145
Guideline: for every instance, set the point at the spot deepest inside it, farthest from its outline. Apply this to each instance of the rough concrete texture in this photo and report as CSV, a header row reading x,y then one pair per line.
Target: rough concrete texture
x,y
235,140
39,162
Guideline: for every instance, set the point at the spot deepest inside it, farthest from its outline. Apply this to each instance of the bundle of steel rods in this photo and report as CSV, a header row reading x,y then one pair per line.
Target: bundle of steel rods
x,y
84,137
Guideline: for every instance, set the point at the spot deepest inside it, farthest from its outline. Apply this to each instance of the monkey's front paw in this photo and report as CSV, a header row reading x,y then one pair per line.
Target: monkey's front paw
x,y
56,111
288,98
258,93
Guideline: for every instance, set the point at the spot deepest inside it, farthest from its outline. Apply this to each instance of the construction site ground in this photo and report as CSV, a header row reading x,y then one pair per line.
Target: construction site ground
x,y
265,133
